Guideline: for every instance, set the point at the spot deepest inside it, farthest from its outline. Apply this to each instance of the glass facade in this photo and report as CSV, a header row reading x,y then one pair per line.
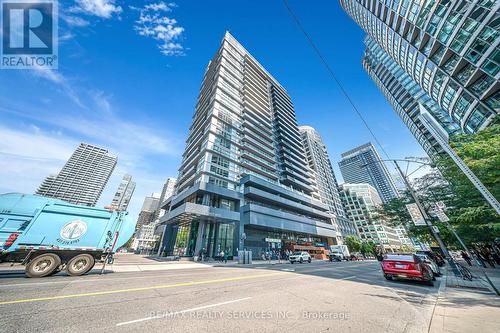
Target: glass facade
x,y
442,53
364,165
243,157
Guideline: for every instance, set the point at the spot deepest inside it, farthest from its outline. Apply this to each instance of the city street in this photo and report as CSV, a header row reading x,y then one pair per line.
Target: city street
x,y
321,296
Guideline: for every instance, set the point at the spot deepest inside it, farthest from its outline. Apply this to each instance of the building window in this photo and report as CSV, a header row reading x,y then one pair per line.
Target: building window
x,y
450,63
465,73
481,85
463,103
477,118
492,64
494,101
436,57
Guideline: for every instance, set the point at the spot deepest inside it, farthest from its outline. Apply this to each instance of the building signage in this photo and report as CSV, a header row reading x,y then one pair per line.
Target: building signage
x,y
273,240
415,214
442,216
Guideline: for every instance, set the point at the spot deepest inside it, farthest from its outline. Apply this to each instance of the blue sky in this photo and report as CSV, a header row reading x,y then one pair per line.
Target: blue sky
x,y
130,84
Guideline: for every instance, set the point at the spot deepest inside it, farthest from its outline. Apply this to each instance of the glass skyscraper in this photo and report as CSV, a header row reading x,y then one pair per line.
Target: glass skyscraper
x,y
364,165
124,193
438,57
244,181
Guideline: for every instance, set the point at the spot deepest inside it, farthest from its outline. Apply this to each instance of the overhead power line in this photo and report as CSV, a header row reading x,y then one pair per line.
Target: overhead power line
x,y
333,75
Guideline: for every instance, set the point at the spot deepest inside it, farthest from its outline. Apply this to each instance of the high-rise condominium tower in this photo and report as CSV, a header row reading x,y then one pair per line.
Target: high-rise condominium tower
x,y
360,202
327,186
244,182
167,191
435,58
83,177
148,211
168,188
124,193
364,165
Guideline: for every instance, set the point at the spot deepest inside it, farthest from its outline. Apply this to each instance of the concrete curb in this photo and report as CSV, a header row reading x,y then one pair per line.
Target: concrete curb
x,y
154,267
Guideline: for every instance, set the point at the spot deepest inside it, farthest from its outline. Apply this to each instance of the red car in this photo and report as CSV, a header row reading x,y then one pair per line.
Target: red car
x,y
406,266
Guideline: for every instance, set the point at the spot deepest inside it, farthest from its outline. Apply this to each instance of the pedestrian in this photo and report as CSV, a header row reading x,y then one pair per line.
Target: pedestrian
x,y
487,256
479,257
495,256
221,256
466,257
224,254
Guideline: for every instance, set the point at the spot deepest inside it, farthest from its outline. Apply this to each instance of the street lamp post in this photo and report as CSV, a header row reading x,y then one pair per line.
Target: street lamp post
x,y
427,220
436,235
414,195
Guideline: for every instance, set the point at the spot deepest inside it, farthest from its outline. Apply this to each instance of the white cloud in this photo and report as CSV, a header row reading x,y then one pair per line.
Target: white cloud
x,y
100,8
27,156
160,6
153,23
74,21
58,78
102,101
29,153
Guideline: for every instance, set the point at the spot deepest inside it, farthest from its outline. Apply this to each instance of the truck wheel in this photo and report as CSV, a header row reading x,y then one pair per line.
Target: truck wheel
x,y
43,265
80,264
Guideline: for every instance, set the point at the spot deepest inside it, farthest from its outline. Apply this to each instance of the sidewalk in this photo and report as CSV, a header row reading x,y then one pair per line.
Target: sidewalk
x,y
123,263
139,263
479,281
467,306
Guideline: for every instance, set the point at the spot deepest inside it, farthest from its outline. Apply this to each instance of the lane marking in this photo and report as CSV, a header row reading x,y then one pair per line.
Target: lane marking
x,y
173,314
63,279
165,286
348,277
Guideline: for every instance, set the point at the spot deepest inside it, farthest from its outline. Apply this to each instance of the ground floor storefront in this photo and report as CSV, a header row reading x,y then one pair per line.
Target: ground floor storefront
x,y
208,239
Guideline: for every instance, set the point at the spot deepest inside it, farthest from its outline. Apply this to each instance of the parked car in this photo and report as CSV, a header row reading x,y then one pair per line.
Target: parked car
x,y
335,257
406,266
299,257
431,263
438,258
355,256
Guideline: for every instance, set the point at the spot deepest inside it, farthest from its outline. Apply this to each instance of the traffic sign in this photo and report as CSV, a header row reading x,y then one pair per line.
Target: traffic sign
x,y
440,205
415,214
442,216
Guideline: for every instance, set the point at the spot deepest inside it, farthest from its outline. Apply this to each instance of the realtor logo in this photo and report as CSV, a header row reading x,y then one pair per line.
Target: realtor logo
x,y
29,34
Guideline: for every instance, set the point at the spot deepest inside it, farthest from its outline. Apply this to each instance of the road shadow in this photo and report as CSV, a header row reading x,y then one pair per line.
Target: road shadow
x,y
365,272
19,274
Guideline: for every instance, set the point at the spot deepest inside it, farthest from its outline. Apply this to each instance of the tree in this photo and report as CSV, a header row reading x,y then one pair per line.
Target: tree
x,y
353,243
406,249
367,248
471,216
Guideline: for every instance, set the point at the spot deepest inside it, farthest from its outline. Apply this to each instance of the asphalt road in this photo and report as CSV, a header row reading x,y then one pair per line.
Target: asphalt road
x,y
316,297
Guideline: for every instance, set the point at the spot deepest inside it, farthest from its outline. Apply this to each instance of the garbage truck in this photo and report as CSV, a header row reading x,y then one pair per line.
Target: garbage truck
x,y
49,235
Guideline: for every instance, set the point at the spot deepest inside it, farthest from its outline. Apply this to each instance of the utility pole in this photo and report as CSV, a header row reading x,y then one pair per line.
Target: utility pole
x,y
441,137
423,212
